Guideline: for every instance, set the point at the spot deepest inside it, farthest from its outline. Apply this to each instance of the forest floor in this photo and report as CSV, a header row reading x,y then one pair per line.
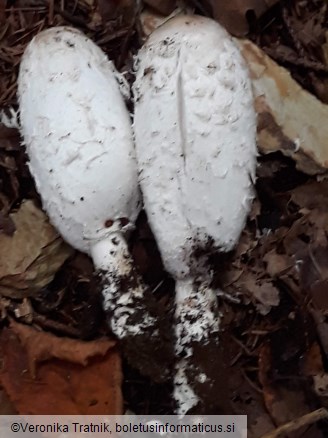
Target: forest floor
x,y
275,323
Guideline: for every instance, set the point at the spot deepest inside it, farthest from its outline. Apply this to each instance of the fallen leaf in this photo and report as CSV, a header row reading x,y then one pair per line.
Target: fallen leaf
x,y
233,14
277,264
320,382
312,364
30,258
290,119
285,401
304,197
41,346
265,293
7,225
248,401
150,21
164,7
6,406
71,376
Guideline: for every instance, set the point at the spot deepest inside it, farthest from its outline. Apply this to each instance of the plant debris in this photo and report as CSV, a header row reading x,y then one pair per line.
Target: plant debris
x,y
236,15
290,119
31,254
271,289
41,367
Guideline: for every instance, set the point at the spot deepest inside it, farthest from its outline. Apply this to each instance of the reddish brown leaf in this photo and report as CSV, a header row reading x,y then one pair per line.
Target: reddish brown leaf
x,y
60,375
312,363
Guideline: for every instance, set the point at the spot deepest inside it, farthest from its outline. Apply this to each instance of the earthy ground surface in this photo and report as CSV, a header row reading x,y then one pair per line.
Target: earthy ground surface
x,y
274,356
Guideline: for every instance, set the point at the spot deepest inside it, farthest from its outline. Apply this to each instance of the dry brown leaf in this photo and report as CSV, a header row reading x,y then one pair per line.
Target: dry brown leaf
x,y
320,382
266,294
72,377
282,402
249,402
6,406
277,264
150,21
312,363
41,346
7,225
313,267
232,14
30,258
164,7
313,195
292,241
290,119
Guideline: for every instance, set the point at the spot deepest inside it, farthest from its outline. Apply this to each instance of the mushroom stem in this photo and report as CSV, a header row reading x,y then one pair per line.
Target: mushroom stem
x,y
132,311
122,288
196,348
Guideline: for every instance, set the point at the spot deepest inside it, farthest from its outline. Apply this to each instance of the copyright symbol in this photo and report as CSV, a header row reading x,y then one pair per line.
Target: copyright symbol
x,y
15,427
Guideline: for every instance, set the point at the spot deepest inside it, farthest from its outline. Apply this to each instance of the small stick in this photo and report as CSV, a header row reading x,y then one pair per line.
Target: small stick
x,y
305,420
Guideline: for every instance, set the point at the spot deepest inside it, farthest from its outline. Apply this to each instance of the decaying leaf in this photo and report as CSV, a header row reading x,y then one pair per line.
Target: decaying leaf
x,y
264,292
285,401
277,264
290,119
41,346
150,21
6,407
247,400
30,257
7,225
164,7
233,14
69,377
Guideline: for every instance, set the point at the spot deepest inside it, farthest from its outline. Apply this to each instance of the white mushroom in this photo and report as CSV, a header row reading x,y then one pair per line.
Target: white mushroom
x,y
195,130
78,137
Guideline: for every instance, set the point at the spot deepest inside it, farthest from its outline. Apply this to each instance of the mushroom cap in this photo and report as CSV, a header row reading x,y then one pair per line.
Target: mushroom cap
x,y
78,135
195,132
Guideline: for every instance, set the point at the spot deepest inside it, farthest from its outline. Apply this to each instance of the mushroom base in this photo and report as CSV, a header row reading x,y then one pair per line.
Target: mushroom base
x,y
145,335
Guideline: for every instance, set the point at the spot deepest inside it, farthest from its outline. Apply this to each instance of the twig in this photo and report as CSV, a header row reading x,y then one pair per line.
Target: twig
x,y
246,350
305,420
251,383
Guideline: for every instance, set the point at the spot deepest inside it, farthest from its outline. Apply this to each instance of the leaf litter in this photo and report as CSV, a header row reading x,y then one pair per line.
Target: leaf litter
x,y
271,289
39,369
